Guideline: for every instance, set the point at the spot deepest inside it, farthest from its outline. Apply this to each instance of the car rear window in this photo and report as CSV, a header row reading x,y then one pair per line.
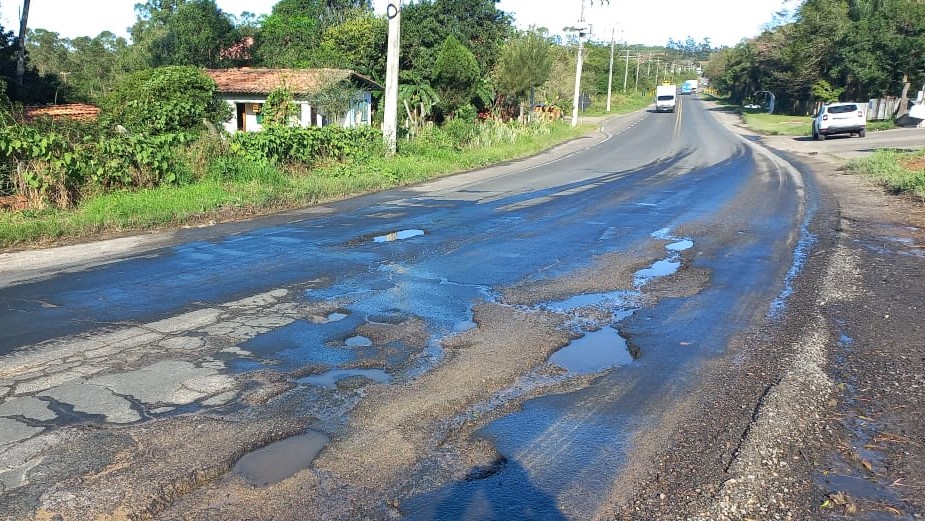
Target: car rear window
x,y
841,109
666,98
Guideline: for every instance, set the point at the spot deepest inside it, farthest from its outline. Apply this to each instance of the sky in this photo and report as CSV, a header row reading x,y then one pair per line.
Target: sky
x,y
631,21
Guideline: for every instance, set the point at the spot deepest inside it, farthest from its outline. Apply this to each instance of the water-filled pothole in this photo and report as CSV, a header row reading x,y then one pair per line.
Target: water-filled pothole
x,y
358,341
330,378
398,236
594,352
280,460
336,317
661,268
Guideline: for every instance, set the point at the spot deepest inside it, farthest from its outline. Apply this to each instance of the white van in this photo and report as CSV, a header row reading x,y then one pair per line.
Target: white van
x,y
665,98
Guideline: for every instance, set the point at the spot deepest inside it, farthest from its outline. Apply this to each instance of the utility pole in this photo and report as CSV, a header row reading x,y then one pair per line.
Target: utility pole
x,y
21,52
626,70
581,32
638,63
390,116
657,64
610,74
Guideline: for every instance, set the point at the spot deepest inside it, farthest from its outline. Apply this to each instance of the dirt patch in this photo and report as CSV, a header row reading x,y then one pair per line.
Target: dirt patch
x,y
913,163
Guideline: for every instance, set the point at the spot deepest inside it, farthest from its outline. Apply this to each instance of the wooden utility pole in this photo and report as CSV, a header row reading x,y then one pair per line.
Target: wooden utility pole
x,y
390,114
21,52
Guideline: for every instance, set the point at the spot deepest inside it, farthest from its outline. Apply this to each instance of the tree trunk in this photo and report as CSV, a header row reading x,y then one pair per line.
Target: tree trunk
x,y
903,108
21,53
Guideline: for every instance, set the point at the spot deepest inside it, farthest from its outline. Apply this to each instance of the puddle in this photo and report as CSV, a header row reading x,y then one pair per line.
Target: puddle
x,y
302,343
358,341
594,352
336,317
661,268
682,245
330,378
399,236
280,460
610,299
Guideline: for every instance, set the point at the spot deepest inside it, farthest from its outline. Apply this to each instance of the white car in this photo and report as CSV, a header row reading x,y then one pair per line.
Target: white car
x,y
840,118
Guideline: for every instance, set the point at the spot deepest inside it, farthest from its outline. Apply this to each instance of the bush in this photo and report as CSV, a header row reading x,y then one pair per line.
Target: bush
x,y
164,100
57,166
307,145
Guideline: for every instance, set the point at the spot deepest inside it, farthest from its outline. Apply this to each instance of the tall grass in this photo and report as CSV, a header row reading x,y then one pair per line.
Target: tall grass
x,y
898,171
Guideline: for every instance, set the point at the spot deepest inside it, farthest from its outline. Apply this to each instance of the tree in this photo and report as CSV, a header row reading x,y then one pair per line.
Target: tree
x,y
359,44
164,100
477,23
456,74
194,34
291,35
524,65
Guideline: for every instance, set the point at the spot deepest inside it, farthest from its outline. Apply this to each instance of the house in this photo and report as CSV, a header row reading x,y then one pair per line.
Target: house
x,y
246,90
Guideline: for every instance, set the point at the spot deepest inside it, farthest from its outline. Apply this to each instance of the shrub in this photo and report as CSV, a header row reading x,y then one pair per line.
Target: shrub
x,y
307,145
164,100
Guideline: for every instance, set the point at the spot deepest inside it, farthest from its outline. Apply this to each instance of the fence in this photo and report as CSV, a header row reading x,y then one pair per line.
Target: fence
x,y
882,108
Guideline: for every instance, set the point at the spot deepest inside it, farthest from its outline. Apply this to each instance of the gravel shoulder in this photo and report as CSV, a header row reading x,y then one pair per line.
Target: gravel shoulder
x,y
816,414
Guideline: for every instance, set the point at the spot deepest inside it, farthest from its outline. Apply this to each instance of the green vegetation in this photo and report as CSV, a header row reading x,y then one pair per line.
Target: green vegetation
x,y
164,100
262,172
898,171
828,50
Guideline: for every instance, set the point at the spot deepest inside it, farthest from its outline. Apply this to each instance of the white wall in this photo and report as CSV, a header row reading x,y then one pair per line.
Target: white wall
x,y
359,115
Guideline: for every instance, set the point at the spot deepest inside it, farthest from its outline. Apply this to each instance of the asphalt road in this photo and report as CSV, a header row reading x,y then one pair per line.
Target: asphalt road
x,y
505,343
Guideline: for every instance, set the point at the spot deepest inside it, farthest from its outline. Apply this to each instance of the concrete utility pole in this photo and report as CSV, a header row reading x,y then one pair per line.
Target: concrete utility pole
x,y
626,70
390,115
610,74
581,33
638,62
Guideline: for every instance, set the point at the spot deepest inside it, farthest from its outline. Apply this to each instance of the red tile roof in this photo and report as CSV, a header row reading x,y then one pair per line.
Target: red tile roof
x,y
299,81
79,111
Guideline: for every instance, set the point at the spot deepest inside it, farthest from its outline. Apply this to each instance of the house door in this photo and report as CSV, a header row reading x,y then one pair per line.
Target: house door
x,y
242,116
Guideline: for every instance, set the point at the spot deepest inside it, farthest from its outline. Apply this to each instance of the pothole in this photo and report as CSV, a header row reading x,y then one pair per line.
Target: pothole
x,y
594,352
398,236
280,460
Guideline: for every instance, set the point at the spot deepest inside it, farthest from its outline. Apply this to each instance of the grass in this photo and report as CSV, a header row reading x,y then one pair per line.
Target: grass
x,y
261,188
899,171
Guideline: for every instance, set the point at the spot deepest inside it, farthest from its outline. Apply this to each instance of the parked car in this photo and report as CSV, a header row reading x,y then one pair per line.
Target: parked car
x,y
840,118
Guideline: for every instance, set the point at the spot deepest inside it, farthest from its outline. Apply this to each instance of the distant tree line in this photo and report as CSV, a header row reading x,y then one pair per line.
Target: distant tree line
x,y
830,50
457,56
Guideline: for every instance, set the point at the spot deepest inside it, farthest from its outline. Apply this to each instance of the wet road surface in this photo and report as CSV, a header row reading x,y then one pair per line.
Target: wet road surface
x,y
646,251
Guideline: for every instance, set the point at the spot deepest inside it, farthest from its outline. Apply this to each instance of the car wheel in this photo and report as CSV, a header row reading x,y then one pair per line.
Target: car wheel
x,y
818,137
862,133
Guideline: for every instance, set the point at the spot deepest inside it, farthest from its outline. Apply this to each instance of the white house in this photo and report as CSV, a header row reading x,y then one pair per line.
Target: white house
x,y
246,90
